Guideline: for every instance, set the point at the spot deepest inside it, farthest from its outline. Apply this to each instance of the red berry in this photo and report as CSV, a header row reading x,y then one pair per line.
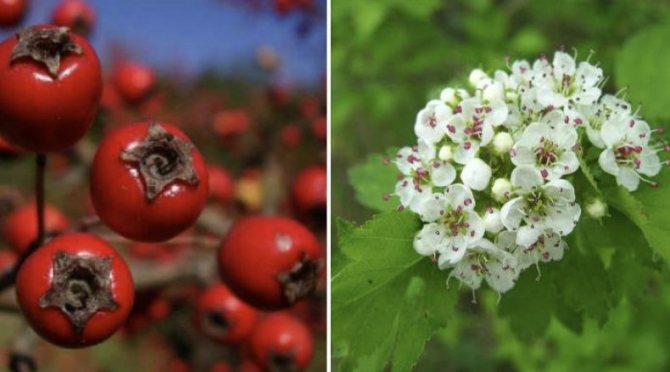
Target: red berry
x,y
75,291
12,12
7,260
222,316
248,365
148,181
291,135
320,128
134,82
309,191
270,262
78,15
281,343
221,367
48,102
221,184
20,228
231,124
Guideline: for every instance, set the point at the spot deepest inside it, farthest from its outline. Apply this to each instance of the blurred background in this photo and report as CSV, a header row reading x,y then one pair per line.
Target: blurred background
x,y
246,80
390,57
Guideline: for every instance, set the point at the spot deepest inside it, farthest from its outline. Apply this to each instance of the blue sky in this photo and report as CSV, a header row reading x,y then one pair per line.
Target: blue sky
x,y
195,34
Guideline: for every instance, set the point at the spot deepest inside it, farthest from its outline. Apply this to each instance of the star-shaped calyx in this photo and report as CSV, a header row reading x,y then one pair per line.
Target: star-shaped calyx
x,y
80,287
163,158
45,45
301,280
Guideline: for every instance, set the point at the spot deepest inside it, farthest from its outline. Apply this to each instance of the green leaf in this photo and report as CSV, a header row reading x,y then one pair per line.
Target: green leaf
x,y
373,179
648,208
642,65
368,16
385,292
529,305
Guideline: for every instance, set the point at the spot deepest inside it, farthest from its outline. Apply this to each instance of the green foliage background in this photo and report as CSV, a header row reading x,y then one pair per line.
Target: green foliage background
x,y
605,306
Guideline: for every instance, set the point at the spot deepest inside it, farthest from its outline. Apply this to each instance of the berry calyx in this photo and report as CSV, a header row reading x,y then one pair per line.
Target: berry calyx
x,y
45,45
80,288
163,158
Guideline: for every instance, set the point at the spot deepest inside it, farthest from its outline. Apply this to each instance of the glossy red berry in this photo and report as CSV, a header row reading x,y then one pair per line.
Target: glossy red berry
x,y
222,316
148,181
134,81
78,15
20,227
270,262
12,12
50,87
280,342
75,291
309,191
221,184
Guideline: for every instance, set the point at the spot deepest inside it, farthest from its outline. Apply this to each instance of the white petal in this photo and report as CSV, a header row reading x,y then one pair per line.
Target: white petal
x,y
522,155
492,221
455,128
487,134
533,134
498,114
405,190
594,137
499,276
563,218
560,189
527,235
628,178
476,228
588,96
588,75
563,64
607,162
476,174
511,213
460,196
526,177
426,150
650,164
565,136
405,162
466,151
547,98
465,273
613,132
454,250
431,208
429,239
442,173
568,162
554,246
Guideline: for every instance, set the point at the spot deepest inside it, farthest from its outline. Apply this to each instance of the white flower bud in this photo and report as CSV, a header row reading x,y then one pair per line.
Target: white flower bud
x,y
596,208
476,174
476,76
492,221
511,96
446,153
494,91
502,143
453,97
501,189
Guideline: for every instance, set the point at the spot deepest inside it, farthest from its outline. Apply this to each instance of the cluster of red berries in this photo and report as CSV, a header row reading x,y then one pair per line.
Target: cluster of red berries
x,y
148,183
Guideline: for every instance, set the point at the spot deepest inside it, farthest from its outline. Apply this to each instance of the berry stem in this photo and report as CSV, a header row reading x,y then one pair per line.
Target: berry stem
x,y
41,162
7,280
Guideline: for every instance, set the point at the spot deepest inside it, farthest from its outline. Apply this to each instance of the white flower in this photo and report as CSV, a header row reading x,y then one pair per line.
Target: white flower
x,y
476,174
627,153
501,189
421,172
431,122
593,116
492,221
548,147
539,207
472,126
562,82
549,246
453,225
477,76
502,143
485,261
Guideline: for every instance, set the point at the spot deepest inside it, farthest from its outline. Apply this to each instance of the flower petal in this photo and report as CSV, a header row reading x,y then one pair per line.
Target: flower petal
x,y
511,213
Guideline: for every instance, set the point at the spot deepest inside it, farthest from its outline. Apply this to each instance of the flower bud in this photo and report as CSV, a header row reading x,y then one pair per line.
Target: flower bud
x,y
501,189
453,97
493,92
445,153
476,174
476,76
596,209
492,221
502,143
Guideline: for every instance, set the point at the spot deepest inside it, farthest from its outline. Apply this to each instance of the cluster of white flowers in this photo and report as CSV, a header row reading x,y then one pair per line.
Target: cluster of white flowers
x,y
490,174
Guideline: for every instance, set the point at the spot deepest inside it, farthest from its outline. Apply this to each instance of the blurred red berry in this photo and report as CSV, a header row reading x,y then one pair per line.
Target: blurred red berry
x,y
134,81
223,317
221,184
309,191
231,124
20,227
78,15
291,136
320,128
12,12
281,342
